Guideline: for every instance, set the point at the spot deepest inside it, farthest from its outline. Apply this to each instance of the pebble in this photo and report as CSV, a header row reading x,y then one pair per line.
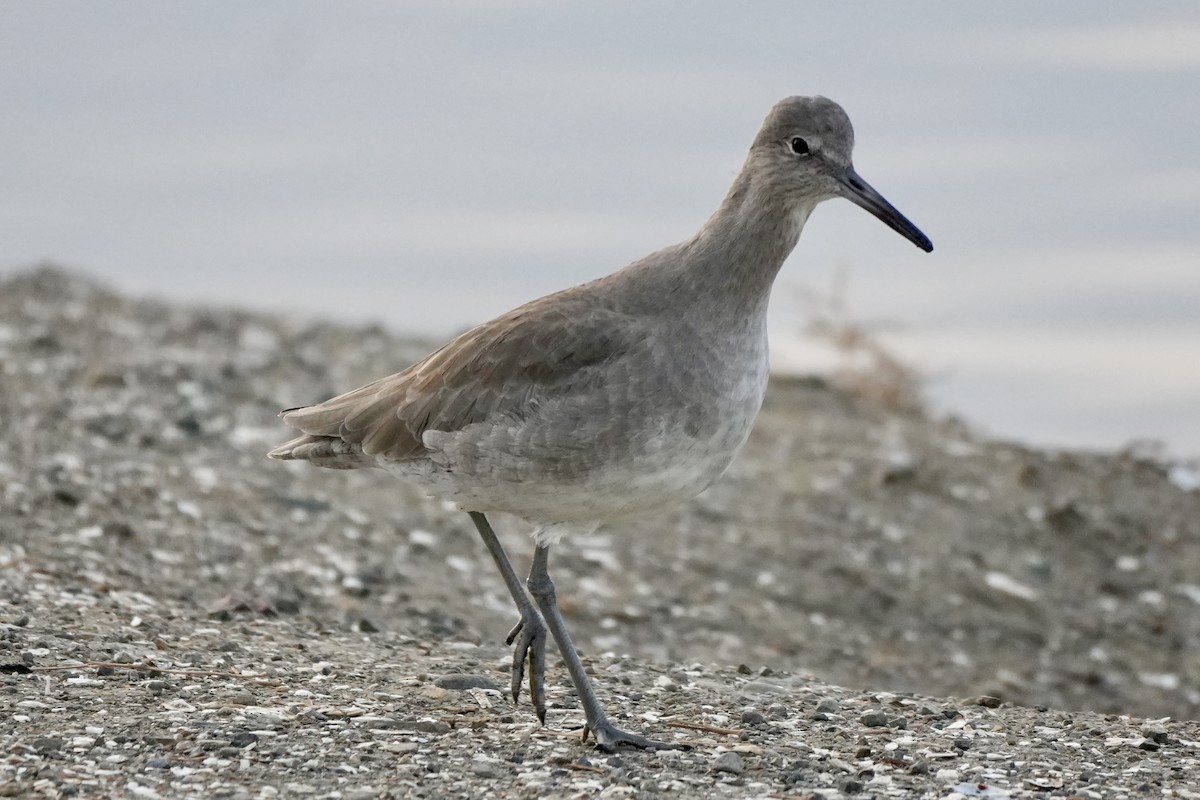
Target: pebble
x,y
1156,734
373,721
464,682
874,719
751,716
756,688
243,739
729,762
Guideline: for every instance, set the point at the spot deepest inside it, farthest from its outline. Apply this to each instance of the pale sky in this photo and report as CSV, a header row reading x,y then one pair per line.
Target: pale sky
x,y
431,164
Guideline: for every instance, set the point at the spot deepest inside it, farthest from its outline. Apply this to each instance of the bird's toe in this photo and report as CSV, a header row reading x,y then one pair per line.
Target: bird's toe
x,y
528,639
609,737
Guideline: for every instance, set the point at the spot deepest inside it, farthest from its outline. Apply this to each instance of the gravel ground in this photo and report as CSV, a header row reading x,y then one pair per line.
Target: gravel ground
x,y
181,618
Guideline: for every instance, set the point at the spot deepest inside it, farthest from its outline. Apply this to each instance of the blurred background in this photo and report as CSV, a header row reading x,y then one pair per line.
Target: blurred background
x,y
431,164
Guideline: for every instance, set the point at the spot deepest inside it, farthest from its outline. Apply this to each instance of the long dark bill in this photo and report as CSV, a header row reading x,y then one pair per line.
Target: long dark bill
x,y
861,193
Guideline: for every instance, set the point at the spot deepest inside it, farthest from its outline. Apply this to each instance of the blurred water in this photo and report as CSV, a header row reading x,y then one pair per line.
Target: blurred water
x,y
431,164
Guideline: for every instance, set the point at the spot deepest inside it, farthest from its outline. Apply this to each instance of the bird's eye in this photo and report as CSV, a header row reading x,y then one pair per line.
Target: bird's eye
x,y
799,146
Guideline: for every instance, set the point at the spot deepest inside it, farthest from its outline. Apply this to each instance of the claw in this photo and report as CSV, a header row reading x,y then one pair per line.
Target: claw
x,y
528,640
512,635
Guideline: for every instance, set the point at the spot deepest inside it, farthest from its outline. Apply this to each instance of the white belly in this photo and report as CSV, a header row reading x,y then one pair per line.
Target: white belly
x,y
585,464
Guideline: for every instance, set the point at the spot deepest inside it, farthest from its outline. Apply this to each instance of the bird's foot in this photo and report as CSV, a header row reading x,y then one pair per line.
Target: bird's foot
x,y
528,638
609,737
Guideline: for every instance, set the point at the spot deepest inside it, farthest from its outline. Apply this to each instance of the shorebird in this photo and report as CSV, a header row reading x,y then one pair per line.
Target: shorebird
x,y
609,399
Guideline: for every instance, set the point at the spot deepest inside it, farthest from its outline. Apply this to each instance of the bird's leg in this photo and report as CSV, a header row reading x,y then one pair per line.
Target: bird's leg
x,y
608,736
529,634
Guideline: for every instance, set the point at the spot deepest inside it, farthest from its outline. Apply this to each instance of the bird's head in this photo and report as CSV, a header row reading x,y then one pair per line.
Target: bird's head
x,y
803,149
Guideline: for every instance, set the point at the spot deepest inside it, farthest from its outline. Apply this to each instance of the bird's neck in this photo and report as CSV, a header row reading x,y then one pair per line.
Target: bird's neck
x,y
739,251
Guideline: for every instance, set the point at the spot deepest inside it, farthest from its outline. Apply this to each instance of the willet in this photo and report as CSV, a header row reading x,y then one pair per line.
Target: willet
x,y
608,399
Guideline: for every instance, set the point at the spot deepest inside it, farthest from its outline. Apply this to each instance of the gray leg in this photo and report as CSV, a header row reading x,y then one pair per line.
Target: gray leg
x,y
608,736
529,633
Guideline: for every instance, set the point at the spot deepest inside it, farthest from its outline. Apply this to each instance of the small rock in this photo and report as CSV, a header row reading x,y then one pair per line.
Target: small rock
x,y
756,688
47,744
464,682
874,719
828,706
1065,517
373,721
483,769
432,726
962,743
896,473
1155,734
243,739
729,762
751,716
286,605
1149,744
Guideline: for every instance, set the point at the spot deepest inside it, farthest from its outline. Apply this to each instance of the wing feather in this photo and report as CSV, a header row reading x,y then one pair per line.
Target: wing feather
x,y
504,367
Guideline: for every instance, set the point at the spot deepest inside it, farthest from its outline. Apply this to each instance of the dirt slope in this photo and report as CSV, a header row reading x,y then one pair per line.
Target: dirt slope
x,y
202,622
